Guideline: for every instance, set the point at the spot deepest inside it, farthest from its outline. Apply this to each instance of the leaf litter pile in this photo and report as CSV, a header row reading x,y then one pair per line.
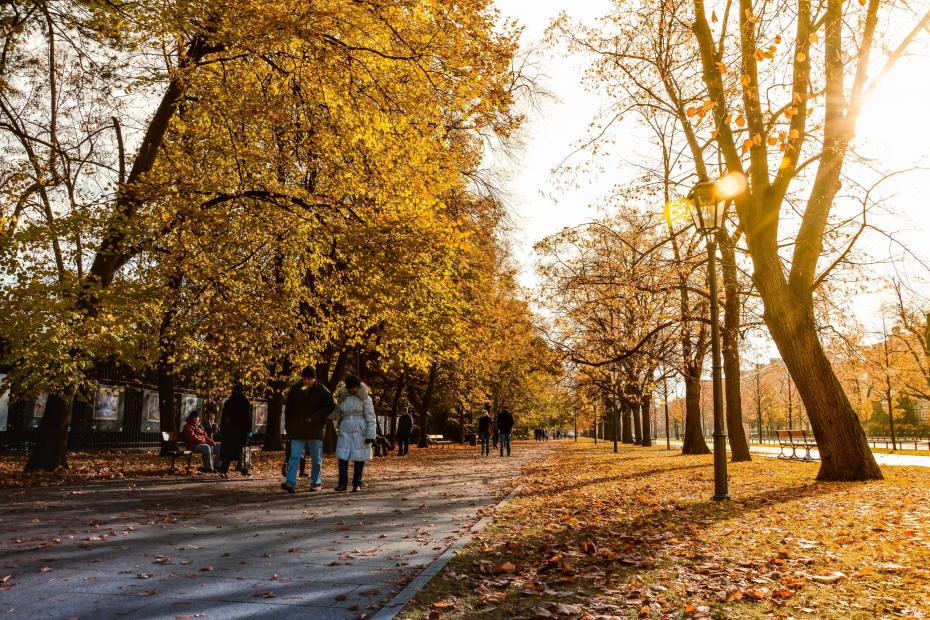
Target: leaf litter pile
x,y
635,535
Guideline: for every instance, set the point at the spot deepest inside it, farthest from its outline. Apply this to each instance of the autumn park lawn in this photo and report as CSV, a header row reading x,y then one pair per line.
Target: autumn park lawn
x,y
595,534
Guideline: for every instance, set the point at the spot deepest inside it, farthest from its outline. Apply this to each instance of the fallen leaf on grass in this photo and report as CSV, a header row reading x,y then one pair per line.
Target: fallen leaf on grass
x,y
505,567
833,577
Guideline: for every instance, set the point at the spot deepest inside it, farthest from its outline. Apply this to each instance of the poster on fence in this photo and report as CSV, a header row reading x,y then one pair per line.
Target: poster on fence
x,y
4,403
38,409
107,404
189,404
260,414
151,414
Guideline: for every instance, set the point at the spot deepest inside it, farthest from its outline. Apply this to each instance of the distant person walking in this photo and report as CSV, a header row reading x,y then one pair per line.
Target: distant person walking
x,y
485,423
355,415
236,425
404,430
505,429
309,404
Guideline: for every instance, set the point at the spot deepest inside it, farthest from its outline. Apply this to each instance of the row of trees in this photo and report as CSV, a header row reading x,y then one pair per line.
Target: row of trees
x,y
216,192
768,89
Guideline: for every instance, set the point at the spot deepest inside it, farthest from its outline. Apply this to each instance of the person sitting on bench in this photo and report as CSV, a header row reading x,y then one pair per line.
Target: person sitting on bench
x,y
196,440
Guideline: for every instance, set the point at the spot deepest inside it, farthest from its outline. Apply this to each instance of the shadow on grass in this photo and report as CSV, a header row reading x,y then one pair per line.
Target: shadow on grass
x,y
653,540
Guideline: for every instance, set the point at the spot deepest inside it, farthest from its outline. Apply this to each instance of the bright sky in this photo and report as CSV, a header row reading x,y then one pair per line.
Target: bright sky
x,y
895,127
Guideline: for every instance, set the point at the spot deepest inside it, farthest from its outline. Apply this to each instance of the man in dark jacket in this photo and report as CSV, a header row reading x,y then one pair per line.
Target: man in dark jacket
x,y
484,430
404,430
505,428
236,425
308,406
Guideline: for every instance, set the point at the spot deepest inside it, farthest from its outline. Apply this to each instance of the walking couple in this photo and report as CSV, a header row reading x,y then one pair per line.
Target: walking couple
x,y
309,405
500,428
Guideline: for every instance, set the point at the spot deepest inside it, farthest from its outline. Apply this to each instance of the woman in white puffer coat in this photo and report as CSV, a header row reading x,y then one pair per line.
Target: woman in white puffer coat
x,y
355,415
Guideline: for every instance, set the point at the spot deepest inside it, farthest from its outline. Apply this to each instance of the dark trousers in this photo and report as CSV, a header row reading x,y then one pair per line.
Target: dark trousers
x,y
356,473
403,445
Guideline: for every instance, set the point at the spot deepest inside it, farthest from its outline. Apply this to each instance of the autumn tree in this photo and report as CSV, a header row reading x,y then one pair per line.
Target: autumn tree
x,y
261,109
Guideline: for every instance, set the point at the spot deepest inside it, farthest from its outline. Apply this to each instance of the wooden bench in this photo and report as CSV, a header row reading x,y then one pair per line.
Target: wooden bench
x,y
795,439
174,449
437,440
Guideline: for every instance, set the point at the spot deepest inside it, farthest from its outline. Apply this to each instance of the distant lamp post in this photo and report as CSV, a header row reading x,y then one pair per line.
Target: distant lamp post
x,y
708,200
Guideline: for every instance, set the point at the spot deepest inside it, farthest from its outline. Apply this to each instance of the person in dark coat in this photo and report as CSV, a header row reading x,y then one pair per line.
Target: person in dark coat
x,y
211,428
308,406
484,430
236,424
404,430
505,428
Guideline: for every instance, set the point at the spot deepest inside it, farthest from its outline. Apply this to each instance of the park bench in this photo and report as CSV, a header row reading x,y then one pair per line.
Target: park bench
x,y
437,440
173,448
795,439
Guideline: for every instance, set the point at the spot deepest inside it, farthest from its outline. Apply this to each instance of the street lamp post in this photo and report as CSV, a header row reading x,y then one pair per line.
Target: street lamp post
x,y
708,200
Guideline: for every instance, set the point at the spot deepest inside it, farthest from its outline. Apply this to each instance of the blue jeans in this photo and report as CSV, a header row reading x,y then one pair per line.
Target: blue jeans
x,y
485,443
207,453
505,441
315,448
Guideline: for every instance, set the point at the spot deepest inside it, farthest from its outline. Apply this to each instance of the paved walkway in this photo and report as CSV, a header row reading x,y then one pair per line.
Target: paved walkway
x,y
880,457
190,549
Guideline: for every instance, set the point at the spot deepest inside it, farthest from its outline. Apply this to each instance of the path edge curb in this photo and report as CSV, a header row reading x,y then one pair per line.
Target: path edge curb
x,y
397,604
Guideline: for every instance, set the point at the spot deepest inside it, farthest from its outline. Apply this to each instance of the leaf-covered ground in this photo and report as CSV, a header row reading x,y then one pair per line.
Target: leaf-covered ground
x,y
100,465
597,535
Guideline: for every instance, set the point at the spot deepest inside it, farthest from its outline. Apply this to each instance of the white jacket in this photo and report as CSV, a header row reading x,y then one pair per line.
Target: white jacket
x,y
355,415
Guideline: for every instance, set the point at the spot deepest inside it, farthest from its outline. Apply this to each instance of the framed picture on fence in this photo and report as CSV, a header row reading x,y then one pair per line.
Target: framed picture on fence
x,y
107,404
38,407
190,403
150,406
260,411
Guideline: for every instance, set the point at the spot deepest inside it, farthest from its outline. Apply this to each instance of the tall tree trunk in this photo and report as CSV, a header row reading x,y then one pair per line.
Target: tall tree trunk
x,y
167,405
277,384
395,403
627,409
421,405
844,450
51,449
730,336
637,422
645,408
694,442
330,373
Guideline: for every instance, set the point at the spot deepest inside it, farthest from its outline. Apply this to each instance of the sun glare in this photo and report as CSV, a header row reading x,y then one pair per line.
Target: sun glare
x,y
894,124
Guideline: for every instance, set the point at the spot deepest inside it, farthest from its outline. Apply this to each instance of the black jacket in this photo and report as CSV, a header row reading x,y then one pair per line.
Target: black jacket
x,y
404,426
235,424
484,424
307,411
504,422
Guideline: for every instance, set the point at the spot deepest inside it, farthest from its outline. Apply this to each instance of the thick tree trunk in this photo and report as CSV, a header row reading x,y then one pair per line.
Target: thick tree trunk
x,y
694,442
730,336
645,408
627,434
167,409
844,451
273,440
51,449
277,384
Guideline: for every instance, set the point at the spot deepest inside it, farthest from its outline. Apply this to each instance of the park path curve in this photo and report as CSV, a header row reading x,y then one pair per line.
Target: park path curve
x,y
242,549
